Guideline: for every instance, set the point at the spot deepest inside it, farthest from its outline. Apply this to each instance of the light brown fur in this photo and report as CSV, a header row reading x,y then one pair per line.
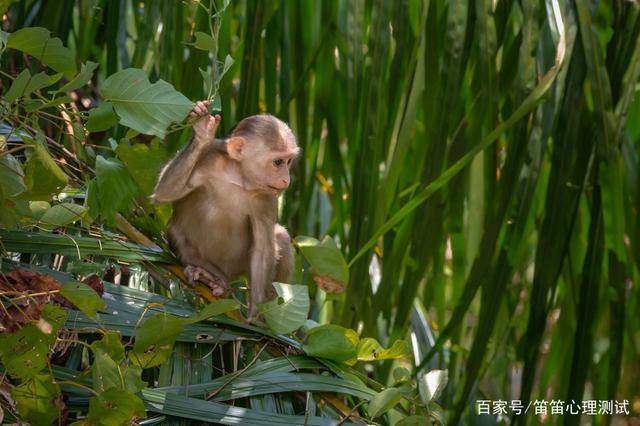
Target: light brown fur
x,y
224,196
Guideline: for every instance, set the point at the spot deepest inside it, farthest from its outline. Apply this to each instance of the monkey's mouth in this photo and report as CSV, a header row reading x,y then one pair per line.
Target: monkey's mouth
x,y
275,190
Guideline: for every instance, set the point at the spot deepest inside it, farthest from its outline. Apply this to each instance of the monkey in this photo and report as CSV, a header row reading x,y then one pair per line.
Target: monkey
x,y
224,194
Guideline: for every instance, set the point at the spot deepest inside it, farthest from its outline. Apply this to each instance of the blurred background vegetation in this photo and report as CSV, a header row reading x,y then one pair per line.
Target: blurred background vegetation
x,y
476,162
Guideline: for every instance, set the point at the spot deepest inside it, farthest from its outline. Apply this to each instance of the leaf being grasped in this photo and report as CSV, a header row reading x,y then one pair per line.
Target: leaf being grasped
x,y
83,297
37,42
112,190
332,342
384,401
155,339
36,400
143,162
11,177
44,177
370,350
145,107
288,312
83,77
61,215
115,407
328,265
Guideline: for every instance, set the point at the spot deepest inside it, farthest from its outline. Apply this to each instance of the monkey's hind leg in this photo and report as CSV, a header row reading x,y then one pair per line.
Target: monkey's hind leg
x,y
217,284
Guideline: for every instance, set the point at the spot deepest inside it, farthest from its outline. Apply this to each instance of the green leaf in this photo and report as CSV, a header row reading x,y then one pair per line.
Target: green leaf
x,y
38,208
24,353
44,177
105,372
384,401
155,339
115,407
83,77
11,177
111,345
142,106
62,215
332,342
288,311
37,42
144,162
37,104
432,384
217,307
83,297
18,86
204,41
370,350
101,118
40,81
133,379
35,400
328,265
112,190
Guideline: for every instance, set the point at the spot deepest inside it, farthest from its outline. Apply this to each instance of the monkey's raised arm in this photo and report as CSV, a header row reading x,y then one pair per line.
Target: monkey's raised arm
x,y
175,180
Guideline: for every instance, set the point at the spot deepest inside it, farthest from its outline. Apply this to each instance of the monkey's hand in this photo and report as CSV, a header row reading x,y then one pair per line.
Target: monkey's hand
x,y
205,125
218,286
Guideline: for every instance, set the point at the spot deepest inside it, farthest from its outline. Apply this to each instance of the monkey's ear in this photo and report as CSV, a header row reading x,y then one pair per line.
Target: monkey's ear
x,y
235,146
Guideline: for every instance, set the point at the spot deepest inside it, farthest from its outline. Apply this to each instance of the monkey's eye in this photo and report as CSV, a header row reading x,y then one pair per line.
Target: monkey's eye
x,y
279,162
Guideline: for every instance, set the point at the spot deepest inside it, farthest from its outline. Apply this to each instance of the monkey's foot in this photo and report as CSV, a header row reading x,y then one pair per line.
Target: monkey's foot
x,y
218,285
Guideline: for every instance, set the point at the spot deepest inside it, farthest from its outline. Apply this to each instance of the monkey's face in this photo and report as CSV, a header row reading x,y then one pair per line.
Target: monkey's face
x,y
267,170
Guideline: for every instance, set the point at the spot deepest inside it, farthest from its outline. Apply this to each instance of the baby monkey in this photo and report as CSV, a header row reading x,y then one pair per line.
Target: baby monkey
x,y
224,194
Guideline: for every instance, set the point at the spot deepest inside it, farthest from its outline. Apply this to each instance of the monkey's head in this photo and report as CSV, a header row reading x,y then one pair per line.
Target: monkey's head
x,y
265,147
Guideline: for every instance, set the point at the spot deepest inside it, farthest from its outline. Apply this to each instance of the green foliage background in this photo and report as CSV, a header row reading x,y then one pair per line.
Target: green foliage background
x,y
476,162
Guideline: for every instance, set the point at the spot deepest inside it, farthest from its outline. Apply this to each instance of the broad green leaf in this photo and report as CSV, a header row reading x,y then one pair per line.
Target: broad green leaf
x,y
44,177
24,352
105,372
38,208
328,265
35,400
11,177
39,81
206,78
111,345
142,106
61,215
332,342
204,41
384,401
217,307
144,162
432,384
83,297
133,379
370,350
83,77
101,118
18,86
112,190
115,407
289,310
37,42
155,339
